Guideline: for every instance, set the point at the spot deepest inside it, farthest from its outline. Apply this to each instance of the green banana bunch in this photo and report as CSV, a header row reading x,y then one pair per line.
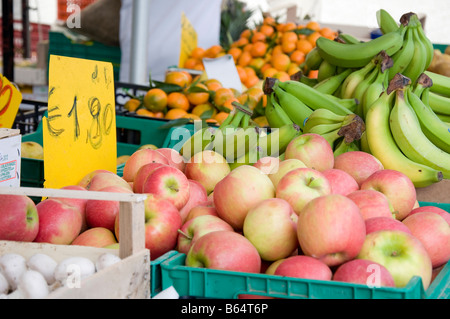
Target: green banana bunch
x,y
276,116
323,116
326,70
439,103
383,146
441,83
386,22
350,104
351,82
402,58
407,133
330,84
361,89
348,38
312,60
311,97
297,111
343,147
357,55
432,126
419,59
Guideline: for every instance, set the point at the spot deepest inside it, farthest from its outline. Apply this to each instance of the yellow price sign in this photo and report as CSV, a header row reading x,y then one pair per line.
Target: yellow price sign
x,y
10,99
79,132
188,40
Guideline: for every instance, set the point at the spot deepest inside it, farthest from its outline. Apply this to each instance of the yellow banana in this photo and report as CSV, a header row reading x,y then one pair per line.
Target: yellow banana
x,y
382,145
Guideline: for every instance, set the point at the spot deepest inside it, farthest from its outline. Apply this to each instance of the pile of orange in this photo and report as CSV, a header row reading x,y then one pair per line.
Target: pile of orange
x,y
270,49
193,99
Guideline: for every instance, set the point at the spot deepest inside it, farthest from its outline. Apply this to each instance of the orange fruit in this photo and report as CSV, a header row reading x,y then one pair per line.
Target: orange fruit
x,y
244,59
256,63
269,72
289,36
258,37
251,81
267,30
269,20
178,100
289,26
258,49
132,104
293,68
261,121
222,95
282,76
212,84
277,50
280,62
191,116
202,108
328,33
159,115
239,43
288,47
180,78
235,53
246,33
174,114
221,116
213,51
198,97
247,47
313,25
198,53
298,57
312,38
145,112
190,63
155,100
241,72
228,103
304,45
212,121
313,74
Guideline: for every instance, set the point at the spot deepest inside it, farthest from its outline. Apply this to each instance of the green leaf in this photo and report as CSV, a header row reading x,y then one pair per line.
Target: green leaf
x,y
174,123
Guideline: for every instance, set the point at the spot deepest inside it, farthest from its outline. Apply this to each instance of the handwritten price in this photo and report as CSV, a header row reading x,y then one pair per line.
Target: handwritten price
x,y
4,90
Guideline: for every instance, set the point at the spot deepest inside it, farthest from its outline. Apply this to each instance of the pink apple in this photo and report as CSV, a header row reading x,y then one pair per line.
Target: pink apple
x,y
195,228
341,182
237,193
162,221
102,213
271,226
140,158
433,209
142,175
58,223
397,187
313,150
169,183
207,168
372,203
224,250
434,233
331,229
384,223
364,272
300,186
76,202
95,237
19,218
283,168
102,180
305,267
85,180
197,196
402,254
174,157
200,210
358,164
267,163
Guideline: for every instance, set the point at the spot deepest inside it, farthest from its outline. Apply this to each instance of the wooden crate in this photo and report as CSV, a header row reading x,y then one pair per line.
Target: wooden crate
x,y
129,278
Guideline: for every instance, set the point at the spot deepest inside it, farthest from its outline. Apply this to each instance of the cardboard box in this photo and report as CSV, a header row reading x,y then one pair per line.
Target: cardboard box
x,y
10,149
437,193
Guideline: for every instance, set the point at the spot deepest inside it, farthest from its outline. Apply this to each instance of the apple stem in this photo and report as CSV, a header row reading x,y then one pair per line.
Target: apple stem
x,y
184,234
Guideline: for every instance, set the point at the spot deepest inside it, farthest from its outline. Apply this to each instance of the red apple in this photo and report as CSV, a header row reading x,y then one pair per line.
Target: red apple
x,y
358,164
142,175
240,191
313,150
434,233
200,210
102,180
102,213
432,209
372,203
169,183
162,221
364,272
140,158
283,168
224,250
197,196
341,182
384,223
208,168
271,226
95,237
267,163
174,157
76,202
331,229
397,187
19,218
305,267
58,223
196,228
84,182
301,185
401,253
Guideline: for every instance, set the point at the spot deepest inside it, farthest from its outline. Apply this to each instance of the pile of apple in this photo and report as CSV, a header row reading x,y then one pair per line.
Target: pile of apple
x,y
306,214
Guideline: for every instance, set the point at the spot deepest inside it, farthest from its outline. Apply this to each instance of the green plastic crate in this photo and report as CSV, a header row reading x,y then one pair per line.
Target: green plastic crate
x,y
60,44
440,47
218,284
